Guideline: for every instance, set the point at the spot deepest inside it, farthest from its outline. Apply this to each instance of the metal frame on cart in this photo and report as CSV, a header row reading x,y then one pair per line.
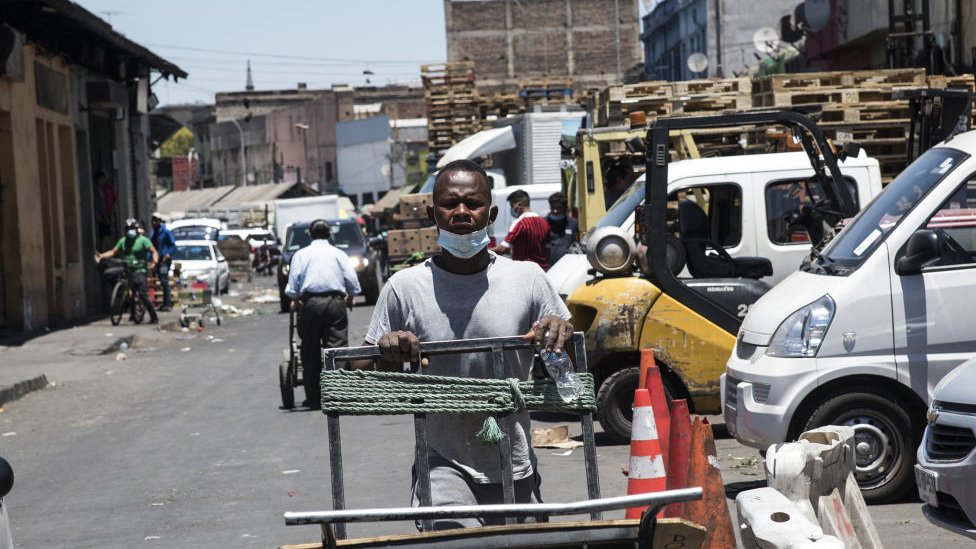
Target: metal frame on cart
x,y
333,522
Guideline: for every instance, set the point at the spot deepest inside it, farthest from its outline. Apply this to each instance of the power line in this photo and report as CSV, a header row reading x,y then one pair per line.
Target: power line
x,y
296,57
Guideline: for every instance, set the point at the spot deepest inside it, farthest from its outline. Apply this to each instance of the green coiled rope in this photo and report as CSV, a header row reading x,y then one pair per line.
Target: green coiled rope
x,y
362,392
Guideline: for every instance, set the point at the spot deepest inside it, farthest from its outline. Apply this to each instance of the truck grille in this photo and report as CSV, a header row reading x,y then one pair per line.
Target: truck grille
x,y
731,384
949,443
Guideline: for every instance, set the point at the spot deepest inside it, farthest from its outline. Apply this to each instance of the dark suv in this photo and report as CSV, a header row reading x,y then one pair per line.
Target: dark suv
x,y
348,237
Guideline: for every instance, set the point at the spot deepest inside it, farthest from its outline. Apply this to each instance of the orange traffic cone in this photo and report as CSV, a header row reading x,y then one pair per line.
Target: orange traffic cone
x,y
679,452
650,379
711,511
646,462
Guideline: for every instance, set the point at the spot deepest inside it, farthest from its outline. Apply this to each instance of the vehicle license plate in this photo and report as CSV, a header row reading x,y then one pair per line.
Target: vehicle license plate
x,y
928,483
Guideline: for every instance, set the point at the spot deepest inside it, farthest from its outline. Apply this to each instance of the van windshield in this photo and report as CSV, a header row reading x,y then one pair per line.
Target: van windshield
x,y
868,230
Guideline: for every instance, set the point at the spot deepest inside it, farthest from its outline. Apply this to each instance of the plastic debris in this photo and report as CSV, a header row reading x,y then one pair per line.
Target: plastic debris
x,y
185,350
120,357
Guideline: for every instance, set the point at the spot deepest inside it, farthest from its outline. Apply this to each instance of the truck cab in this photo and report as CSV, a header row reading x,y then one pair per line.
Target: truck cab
x,y
863,332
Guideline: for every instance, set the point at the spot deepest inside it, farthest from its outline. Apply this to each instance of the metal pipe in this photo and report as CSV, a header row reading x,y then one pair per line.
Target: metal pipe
x,y
616,29
498,510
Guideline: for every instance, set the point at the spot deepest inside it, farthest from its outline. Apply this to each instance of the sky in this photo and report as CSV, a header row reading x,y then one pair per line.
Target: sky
x,y
319,42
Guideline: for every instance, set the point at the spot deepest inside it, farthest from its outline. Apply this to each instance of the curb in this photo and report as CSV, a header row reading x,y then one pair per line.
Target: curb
x,y
13,392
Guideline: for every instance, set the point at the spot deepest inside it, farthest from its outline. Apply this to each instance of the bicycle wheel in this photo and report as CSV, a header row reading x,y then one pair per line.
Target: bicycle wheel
x,y
116,307
138,310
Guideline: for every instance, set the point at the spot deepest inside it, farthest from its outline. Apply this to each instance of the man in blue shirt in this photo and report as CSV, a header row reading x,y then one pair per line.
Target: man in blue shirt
x,y
320,279
165,244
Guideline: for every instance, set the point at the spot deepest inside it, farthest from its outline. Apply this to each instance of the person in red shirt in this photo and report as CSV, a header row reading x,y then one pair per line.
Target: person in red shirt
x,y
527,237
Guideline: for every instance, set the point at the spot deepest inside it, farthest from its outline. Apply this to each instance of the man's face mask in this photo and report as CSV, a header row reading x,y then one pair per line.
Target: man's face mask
x,y
464,246
131,233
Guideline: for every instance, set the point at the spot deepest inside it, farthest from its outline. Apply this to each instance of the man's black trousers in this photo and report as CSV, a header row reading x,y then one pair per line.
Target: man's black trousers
x,y
322,322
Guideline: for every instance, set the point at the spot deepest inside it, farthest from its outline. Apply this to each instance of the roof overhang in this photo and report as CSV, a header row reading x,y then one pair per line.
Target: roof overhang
x,y
69,30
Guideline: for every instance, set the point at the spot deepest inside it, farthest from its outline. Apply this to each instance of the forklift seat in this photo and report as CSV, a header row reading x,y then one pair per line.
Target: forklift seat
x,y
696,240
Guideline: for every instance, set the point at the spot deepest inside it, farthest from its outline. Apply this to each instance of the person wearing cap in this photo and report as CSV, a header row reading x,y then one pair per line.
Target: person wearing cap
x,y
165,244
321,283
135,249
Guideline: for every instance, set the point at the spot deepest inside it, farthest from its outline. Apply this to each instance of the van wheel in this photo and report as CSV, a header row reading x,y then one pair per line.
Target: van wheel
x,y
885,440
615,402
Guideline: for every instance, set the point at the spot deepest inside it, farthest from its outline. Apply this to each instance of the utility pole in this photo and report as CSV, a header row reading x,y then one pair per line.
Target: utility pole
x,y
304,129
616,28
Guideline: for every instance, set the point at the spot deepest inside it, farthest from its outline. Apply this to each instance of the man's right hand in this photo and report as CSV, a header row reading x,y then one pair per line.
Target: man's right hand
x,y
295,305
399,347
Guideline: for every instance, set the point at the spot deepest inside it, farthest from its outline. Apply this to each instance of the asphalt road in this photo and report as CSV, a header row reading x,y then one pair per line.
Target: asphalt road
x,y
183,445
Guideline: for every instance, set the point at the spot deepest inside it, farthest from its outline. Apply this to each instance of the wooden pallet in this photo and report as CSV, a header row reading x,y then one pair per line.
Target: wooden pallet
x,y
821,96
960,81
879,111
710,104
741,86
882,78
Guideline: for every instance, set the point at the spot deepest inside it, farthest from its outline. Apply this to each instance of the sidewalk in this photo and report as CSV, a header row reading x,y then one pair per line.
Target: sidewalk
x,y
29,362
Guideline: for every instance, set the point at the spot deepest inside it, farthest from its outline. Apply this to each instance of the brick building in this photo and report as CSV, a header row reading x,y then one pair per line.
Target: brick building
x,y
513,40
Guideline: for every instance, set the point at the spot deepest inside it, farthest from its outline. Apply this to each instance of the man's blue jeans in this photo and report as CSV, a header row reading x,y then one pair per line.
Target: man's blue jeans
x,y
162,272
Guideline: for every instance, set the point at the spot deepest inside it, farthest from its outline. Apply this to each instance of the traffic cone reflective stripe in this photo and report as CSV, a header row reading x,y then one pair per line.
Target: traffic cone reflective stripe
x,y
651,380
647,471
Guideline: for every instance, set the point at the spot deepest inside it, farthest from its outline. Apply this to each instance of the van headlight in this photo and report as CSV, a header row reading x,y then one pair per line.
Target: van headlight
x,y
611,250
802,333
356,262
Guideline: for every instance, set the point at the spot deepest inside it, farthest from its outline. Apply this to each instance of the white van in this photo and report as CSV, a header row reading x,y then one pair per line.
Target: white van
x,y
865,330
757,192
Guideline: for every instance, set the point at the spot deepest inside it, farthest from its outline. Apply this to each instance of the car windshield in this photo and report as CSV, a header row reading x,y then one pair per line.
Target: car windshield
x,y
195,232
192,253
344,236
868,230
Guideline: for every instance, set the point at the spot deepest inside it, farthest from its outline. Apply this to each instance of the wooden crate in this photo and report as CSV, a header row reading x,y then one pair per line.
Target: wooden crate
x,y
403,242
156,290
414,206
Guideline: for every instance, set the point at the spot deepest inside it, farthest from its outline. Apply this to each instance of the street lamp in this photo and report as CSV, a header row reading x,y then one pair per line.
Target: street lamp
x,y
243,157
304,130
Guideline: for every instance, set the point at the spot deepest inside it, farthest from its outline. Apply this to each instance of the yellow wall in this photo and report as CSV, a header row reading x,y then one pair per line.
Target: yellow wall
x,y
41,255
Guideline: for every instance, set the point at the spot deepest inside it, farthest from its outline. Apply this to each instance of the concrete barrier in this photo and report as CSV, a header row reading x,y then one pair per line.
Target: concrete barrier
x,y
815,475
769,520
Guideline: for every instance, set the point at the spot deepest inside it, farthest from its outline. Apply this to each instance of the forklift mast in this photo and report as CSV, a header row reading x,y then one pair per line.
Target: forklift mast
x,y
837,195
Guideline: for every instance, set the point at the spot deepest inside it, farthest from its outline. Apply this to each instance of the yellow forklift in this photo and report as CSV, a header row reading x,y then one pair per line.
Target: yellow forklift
x,y
690,322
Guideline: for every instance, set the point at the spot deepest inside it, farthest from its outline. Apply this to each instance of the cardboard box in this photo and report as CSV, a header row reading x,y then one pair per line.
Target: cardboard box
x,y
414,206
404,242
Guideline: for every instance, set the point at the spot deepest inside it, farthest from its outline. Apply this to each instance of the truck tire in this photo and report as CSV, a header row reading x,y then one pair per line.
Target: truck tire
x,y
615,402
885,441
287,390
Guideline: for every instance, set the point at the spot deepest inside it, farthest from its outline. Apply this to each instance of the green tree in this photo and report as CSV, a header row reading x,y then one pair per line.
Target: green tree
x,y
178,144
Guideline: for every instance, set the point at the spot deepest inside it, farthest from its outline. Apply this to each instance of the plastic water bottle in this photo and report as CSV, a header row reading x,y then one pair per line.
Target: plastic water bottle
x,y
560,369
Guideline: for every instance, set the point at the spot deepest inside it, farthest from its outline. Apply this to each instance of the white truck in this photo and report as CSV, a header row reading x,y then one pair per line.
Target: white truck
x,y
862,333
524,149
293,210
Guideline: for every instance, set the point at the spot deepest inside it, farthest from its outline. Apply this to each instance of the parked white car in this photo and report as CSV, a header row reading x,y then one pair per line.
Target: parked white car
x,y
195,228
202,259
946,469
864,331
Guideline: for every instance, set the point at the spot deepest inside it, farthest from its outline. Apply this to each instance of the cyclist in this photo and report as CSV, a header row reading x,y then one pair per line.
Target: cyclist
x,y
135,249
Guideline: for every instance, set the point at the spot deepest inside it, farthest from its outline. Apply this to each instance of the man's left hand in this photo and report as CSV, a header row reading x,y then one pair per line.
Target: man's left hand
x,y
550,332
349,300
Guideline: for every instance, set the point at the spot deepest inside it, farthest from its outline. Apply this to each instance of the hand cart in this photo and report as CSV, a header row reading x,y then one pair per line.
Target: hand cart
x,y
196,302
589,533
290,370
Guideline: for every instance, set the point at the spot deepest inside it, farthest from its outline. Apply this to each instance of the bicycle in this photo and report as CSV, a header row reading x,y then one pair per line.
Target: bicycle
x,y
123,298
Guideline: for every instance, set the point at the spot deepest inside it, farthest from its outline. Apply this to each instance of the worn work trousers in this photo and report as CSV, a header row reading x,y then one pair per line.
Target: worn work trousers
x,y
451,485
162,272
322,322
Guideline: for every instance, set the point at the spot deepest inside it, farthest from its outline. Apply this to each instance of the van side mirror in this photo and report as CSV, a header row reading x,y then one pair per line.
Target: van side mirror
x,y
922,247
376,242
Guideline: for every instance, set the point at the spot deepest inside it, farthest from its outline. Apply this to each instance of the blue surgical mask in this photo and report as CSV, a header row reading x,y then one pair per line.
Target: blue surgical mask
x,y
464,246
514,212
132,233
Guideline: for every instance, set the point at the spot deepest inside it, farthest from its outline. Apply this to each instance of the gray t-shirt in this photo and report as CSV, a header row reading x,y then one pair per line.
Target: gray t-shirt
x,y
503,300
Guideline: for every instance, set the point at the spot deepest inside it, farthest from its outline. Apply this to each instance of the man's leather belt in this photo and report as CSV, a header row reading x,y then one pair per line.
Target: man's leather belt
x,y
324,294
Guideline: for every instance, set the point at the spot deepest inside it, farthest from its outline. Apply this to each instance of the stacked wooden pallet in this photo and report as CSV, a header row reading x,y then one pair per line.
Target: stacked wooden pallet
x,y
452,103
499,105
611,105
546,91
156,290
